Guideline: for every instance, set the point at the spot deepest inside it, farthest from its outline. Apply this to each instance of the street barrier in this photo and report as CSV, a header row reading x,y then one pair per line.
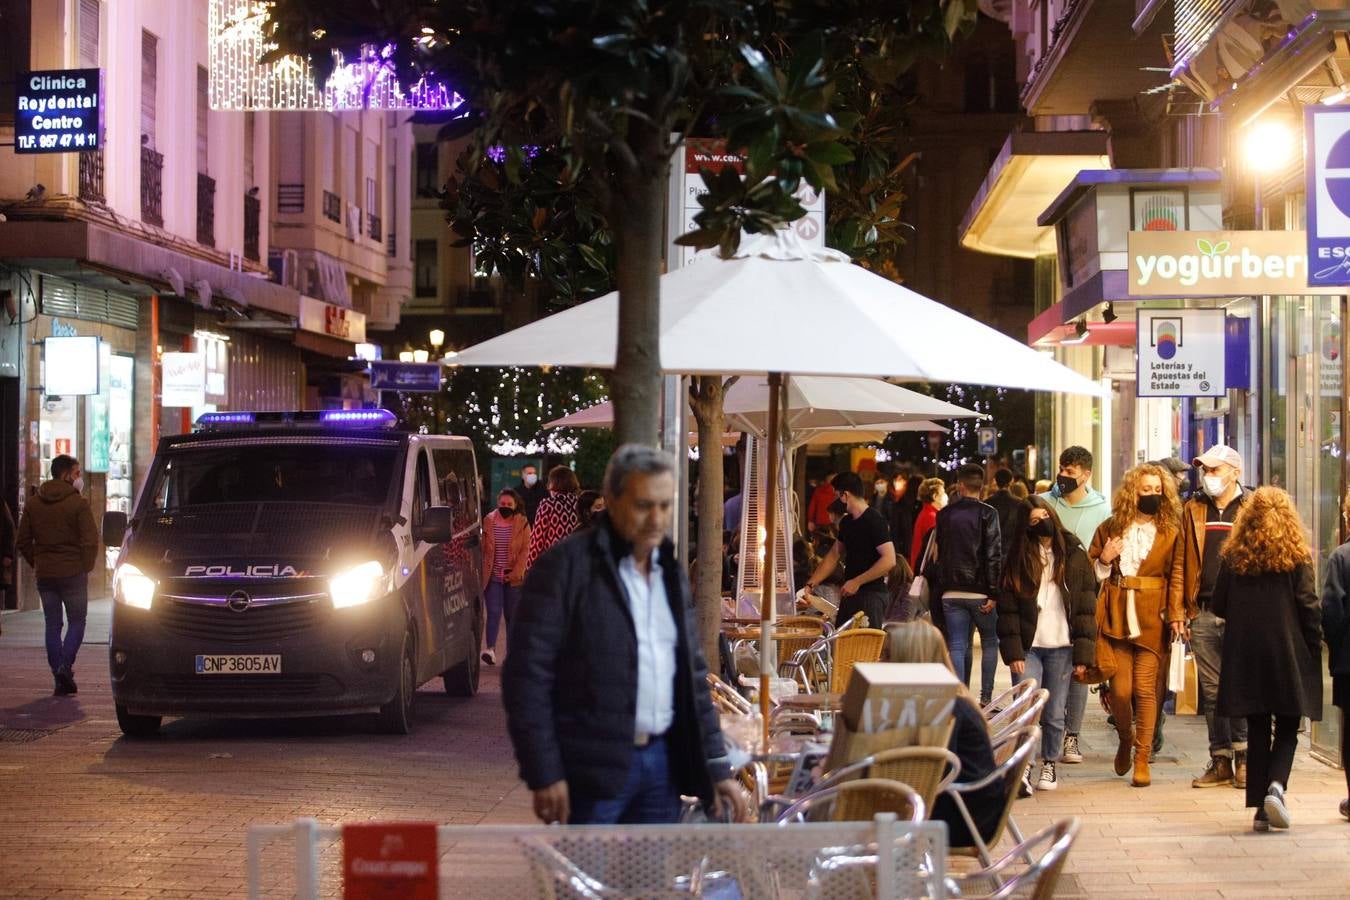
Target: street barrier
x,y
828,860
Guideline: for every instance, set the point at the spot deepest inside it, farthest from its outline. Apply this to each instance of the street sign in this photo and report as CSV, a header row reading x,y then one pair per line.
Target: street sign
x,y
381,860
424,378
58,111
988,440
1180,353
1327,130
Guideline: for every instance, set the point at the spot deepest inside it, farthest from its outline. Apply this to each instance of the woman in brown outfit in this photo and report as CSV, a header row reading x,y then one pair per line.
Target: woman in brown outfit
x,y
1136,556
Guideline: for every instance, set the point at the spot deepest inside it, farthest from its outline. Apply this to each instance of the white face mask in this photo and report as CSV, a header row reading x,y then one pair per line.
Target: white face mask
x,y
1214,485
881,488
940,501
530,479
78,485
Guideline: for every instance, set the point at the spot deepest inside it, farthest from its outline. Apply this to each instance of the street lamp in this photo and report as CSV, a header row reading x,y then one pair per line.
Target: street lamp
x,y
1268,148
405,356
437,338
420,356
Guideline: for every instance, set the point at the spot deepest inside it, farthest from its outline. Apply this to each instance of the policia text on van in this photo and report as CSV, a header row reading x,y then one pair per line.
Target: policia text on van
x,y
297,564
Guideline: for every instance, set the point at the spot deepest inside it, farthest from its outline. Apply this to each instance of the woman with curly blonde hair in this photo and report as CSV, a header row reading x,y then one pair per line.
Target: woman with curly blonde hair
x,y
1272,645
1137,557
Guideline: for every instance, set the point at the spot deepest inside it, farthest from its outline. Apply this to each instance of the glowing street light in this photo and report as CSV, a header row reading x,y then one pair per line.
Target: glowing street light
x,y
437,338
1269,146
421,356
405,356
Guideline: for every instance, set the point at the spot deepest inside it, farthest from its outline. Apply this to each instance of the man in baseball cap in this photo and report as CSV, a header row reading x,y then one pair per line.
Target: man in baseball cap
x,y
1206,521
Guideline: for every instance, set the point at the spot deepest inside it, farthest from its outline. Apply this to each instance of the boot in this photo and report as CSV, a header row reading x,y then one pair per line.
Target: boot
x,y
1141,774
1240,768
1123,752
1218,772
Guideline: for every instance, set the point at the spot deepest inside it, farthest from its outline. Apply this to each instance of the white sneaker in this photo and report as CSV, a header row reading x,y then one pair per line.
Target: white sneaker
x,y
489,657
1049,778
1072,753
1275,808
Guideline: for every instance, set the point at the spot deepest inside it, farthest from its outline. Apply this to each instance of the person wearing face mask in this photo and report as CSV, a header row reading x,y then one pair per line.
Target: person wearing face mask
x,y
58,539
531,490
506,544
1047,624
1206,522
1137,556
882,502
933,496
867,552
1081,509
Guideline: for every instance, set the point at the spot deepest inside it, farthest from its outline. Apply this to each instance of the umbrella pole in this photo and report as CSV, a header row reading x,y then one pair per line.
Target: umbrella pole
x,y
768,583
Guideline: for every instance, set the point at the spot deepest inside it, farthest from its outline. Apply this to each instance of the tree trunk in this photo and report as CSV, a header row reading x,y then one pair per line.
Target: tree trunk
x,y
705,398
637,214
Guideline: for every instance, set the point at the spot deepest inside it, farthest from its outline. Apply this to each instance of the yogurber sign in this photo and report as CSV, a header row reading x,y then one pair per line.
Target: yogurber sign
x,y
1174,264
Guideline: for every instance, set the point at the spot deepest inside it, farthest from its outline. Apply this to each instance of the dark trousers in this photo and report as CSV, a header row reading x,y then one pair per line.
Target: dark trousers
x,y
869,600
72,595
1269,759
649,796
1225,735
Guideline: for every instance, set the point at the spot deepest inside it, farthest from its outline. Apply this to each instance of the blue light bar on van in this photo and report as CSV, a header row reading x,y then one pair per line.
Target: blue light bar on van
x,y
363,417
330,418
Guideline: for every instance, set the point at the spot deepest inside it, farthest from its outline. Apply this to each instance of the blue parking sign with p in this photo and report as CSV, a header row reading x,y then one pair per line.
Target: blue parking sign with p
x,y
988,441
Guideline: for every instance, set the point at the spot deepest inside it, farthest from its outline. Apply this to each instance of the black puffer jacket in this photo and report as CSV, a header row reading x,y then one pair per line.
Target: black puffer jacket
x,y
969,548
1019,613
569,683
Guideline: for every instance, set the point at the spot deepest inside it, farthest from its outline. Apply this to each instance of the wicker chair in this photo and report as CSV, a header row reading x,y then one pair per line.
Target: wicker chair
x,y
1027,714
851,647
1014,755
789,647
1036,880
854,801
929,770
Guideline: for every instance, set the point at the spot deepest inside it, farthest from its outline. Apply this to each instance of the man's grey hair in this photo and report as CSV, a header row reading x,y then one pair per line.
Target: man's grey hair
x,y
635,458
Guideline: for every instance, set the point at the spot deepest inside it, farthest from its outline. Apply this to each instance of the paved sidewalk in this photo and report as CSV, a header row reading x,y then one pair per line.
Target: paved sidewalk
x,y
87,813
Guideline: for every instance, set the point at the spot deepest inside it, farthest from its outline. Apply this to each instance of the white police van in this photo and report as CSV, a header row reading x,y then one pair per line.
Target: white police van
x,y
306,563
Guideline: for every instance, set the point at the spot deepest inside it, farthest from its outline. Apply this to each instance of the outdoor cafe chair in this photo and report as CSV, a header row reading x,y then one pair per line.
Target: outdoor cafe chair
x,y
929,770
1008,876
1009,698
1018,750
854,801
1029,713
827,664
727,699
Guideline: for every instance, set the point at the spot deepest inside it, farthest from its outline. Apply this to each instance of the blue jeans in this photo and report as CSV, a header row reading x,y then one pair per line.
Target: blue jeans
x,y
959,614
648,797
1078,694
1052,667
501,599
72,594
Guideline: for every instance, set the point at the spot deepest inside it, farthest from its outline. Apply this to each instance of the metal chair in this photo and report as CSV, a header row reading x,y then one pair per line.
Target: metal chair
x,y
1036,880
854,801
1008,698
811,666
726,698
1029,714
851,647
1022,746
929,770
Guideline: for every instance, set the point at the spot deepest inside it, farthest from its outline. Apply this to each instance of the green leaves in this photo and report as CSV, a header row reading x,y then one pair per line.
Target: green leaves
x,y
1209,248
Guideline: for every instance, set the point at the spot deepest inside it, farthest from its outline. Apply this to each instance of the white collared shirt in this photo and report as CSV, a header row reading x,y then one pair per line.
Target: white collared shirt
x,y
656,640
1137,544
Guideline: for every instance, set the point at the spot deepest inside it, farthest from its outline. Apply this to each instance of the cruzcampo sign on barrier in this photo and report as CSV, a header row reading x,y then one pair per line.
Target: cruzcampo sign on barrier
x,y
1180,353
1173,264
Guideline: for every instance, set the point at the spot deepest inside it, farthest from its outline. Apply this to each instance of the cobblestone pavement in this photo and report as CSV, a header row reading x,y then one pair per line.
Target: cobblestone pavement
x,y
87,813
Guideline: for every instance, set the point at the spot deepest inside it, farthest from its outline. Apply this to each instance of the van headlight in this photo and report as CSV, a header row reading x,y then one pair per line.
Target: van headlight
x,y
357,585
133,587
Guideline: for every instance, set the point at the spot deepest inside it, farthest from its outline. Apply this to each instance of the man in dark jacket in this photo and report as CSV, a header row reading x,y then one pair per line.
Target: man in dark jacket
x,y
605,686
531,490
58,539
969,562
1007,506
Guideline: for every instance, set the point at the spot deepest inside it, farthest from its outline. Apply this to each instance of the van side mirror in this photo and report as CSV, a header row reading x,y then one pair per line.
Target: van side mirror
x,y
114,528
437,525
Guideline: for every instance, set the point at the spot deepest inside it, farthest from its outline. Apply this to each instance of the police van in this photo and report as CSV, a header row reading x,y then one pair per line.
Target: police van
x,y
306,563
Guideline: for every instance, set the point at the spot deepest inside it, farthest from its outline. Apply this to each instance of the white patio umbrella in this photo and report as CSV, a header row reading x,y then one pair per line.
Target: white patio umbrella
x,y
813,403
779,307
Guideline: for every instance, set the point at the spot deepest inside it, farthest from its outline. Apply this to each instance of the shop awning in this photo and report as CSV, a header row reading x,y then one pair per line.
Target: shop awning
x,y
1055,327
1029,172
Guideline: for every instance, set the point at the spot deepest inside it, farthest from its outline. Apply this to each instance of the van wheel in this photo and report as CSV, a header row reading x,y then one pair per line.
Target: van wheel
x,y
396,715
461,680
134,726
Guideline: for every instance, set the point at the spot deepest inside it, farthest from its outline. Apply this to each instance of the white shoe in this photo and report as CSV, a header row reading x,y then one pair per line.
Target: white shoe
x,y
1049,778
1274,806
489,657
1072,753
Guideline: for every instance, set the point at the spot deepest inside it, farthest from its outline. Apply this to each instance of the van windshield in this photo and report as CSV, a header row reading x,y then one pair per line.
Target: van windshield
x,y
339,472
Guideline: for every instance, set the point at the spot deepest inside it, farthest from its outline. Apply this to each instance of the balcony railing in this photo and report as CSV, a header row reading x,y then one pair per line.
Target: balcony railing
x,y
252,227
332,206
206,209
391,243
91,176
152,186
291,198
374,227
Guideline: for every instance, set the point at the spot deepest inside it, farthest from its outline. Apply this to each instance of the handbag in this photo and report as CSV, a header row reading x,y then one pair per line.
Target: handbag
x,y
919,590
1176,668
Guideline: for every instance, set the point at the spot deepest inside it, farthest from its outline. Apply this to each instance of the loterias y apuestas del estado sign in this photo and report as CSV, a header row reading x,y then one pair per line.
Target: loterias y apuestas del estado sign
x,y
58,111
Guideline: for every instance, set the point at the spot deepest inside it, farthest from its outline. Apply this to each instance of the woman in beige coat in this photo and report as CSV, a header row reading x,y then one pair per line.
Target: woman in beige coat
x,y
1139,609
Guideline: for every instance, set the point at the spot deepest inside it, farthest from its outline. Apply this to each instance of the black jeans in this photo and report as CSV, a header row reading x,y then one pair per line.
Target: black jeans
x,y
870,600
1269,759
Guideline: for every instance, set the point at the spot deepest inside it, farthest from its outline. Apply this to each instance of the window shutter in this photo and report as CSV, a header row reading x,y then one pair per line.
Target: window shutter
x,y
203,119
91,12
149,84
